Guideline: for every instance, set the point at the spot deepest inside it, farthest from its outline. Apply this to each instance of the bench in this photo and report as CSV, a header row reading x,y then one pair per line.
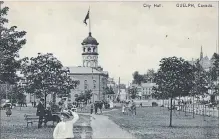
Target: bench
x,y
31,118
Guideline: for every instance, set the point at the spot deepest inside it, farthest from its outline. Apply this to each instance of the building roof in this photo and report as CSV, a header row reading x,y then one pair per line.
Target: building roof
x,y
85,70
145,85
90,40
205,62
148,85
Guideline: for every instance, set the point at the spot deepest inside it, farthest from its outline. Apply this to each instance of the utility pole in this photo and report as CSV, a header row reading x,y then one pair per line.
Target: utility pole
x,y
119,87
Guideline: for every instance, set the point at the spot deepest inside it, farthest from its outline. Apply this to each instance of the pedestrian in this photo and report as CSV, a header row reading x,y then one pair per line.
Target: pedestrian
x,y
8,111
96,107
64,129
100,106
40,112
34,103
133,107
91,107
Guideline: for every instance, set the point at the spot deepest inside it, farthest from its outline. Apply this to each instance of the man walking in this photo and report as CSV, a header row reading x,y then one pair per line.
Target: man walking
x,y
40,112
91,108
96,107
133,107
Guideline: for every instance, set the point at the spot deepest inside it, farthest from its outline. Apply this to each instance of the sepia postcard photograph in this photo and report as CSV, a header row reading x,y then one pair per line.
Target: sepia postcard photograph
x,y
109,69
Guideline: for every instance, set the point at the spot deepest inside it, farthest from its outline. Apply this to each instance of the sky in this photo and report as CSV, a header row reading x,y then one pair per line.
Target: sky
x,y
131,37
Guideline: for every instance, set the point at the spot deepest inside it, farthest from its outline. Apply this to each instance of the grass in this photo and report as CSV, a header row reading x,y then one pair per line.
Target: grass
x,y
153,122
15,126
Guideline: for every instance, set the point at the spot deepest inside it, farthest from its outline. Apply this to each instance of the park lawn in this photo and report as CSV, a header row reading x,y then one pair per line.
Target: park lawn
x,y
15,126
153,122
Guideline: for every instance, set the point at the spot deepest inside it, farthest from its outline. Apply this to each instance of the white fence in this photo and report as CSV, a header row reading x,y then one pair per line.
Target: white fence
x,y
199,109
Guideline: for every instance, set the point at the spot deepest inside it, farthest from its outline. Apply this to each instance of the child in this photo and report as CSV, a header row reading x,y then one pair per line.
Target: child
x,y
64,129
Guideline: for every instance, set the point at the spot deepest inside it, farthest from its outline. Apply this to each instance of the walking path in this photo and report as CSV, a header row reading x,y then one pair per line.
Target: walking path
x,y
104,128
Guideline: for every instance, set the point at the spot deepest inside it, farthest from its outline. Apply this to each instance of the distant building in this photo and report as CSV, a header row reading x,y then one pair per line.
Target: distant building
x,y
144,90
90,75
111,84
205,62
123,94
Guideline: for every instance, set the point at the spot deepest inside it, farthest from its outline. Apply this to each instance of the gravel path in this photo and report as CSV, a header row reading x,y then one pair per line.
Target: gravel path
x,y
105,128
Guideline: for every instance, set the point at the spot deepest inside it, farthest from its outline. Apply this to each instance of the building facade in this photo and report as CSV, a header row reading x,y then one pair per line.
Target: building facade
x,y
111,84
205,62
145,90
90,75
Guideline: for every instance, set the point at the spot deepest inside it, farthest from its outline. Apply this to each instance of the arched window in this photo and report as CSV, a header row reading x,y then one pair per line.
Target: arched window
x,y
94,84
84,49
88,64
94,49
92,64
85,85
89,49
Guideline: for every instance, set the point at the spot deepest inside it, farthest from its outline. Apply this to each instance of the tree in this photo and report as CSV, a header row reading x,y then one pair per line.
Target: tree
x,y
214,71
200,82
133,92
11,41
137,78
109,90
88,95
45,74
174,78
149,76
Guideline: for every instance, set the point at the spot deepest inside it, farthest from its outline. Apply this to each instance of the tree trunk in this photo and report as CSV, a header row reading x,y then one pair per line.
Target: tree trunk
x,y
179,105
45,100
171,112
193,108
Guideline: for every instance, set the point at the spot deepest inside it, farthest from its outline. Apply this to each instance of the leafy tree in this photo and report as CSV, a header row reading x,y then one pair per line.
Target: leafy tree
x,y
200,82
158,93
88,95
149,76
214,71
11,41
109,90
80,97
174,78
137,78
45,74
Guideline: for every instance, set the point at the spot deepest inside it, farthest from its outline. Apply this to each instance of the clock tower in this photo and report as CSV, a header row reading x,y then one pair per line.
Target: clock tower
x,y
90,52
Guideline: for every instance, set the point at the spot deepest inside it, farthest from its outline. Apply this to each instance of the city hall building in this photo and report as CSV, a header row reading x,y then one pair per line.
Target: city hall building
x,y
90,75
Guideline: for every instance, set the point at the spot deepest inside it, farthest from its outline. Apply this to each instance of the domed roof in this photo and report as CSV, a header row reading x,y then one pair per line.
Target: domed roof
x,y
90,40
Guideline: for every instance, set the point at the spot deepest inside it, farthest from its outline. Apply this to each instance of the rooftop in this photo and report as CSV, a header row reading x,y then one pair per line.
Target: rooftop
x,y
85,70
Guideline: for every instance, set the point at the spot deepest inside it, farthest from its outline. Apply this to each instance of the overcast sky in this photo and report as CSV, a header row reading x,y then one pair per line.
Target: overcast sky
x,y
131,37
